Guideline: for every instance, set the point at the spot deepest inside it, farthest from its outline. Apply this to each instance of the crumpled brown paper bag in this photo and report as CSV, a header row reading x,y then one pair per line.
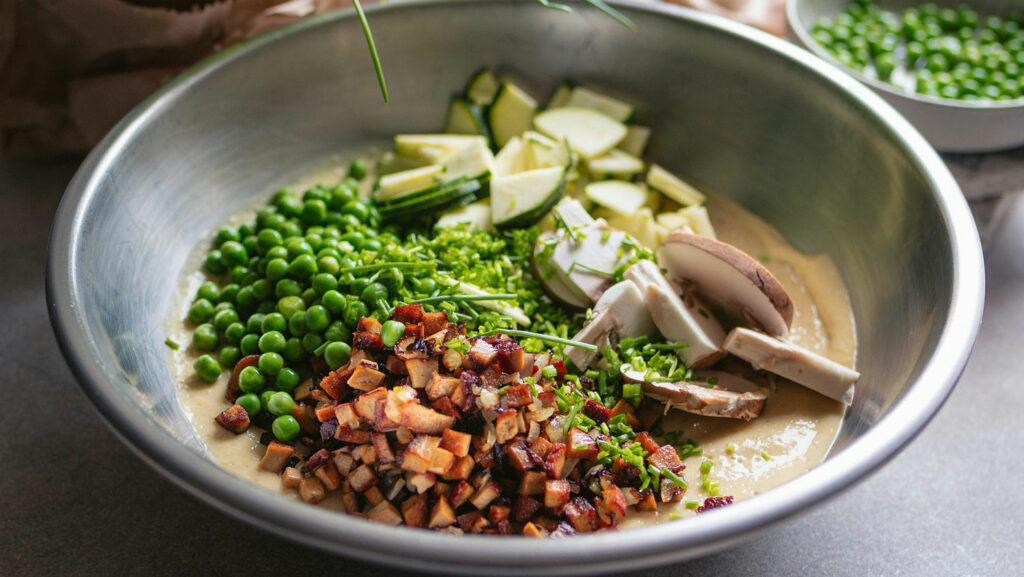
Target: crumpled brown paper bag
x,y
70,69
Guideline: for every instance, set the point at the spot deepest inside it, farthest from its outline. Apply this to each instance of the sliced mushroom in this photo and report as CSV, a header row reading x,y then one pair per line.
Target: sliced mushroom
x,y
793,362
699,399
730,277
585,260
553,285
620,310
678,322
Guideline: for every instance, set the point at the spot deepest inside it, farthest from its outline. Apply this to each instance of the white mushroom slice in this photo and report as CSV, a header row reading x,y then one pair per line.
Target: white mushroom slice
x,y
620,310
678,324
730,277
572,213
553,285
794,363
699,399
586,259
678,321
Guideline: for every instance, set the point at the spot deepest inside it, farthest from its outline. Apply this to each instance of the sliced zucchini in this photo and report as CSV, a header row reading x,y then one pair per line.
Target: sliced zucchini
x,y
482,88
572,213
560,97
464,117
443,197
672,220
589,133
542,152
640,226
397,184
511,159
616,164
636,140
699,221
473,161
511,114
389,163
515,313
418,195
430,148
478,215
623,198
673,187
523,199
586,98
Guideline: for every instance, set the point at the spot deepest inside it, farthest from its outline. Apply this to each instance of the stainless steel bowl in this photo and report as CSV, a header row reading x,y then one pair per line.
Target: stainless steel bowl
x,y
736,111
950,125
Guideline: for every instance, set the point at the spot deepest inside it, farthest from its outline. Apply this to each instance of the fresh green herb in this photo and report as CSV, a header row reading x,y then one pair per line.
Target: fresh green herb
x,y
766,456
705,467
460,298
171,344
373,49
692,505
541,337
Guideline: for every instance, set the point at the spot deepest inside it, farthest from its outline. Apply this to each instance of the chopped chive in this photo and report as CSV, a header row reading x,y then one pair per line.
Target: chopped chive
x,y
705,467
675,516
766,456
171,344
668,346
503,390
542,337
692,504
373,49
568,229
674,478
384,265
587,268
460,298
570,418
730,448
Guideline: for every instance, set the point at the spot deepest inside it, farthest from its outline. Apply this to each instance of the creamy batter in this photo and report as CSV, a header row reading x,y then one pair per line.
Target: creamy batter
x,y
792,435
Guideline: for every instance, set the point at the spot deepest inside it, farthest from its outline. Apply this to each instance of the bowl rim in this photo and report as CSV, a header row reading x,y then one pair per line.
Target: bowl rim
x,y
595,553
796,26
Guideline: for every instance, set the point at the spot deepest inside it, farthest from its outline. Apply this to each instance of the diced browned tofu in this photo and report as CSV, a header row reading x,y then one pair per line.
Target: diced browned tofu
x,y
395,365
365,404
541,446
336,382
531,530
385,513
647,502
554,462
461,493
547,399
506,426
613,505
325,411
452,359
525,509
408,314
346,415
665,457
670,492
234,419
433,322
351,502
362,478
415,511
580,445
421,482
365,378
596,411
418,453
455,442
369,325
383,448
518,396
511,357
420,419
354,436
328,475
461,469
581,514
532,483
443,515
441,461
498,513
306,418
556,493
624,407
442,386
482,353
421,371
311,490
485,494
520,456
290,477
403,435
344,462
276,457
373,496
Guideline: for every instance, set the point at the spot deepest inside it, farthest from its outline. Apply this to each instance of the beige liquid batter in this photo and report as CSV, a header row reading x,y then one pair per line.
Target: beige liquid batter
x,y
795,431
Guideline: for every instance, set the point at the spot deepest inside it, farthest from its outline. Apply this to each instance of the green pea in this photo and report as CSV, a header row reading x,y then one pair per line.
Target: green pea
x,y
273,322
268,239
204,338
234,333
276,221
293,351
229,356
287,287
277,268
337,332
289,305
224,235
990,92
209,291
280,403
355,311
200,311
391,332
354,238
372,244
372,293
286,380
262,290
315,241
297,324
233,253
317,318
207,368
263,216
426,285
238,274
302,267
251,404
270,363
357,209
297,246
250,380
250,344
290,206
937,63
314,211
278,252
246,298
358,285
214,263
246,230
334,302
224,318
324,282
285,428
315,192
950,91
265,399
228,293
266,307
222,306
357,169
885,66
336,355
272,342
328,265
394,278
311,342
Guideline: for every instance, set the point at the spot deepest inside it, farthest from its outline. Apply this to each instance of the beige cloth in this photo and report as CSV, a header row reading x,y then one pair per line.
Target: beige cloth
x,y
69,69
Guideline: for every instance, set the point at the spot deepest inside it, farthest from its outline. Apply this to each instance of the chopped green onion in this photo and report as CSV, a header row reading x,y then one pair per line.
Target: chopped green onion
x,y
373,49
541,337
705,467
692,504
171,344
383,265
765,456
460,298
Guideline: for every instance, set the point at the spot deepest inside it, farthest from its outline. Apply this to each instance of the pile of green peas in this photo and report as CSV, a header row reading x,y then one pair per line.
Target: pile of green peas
x,y
281,291
950,53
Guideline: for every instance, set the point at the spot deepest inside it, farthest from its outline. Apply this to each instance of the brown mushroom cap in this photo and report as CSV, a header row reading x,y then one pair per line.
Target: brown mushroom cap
x,y
727,275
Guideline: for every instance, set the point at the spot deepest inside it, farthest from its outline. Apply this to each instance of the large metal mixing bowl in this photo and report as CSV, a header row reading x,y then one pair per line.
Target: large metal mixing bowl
x,y
736,111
